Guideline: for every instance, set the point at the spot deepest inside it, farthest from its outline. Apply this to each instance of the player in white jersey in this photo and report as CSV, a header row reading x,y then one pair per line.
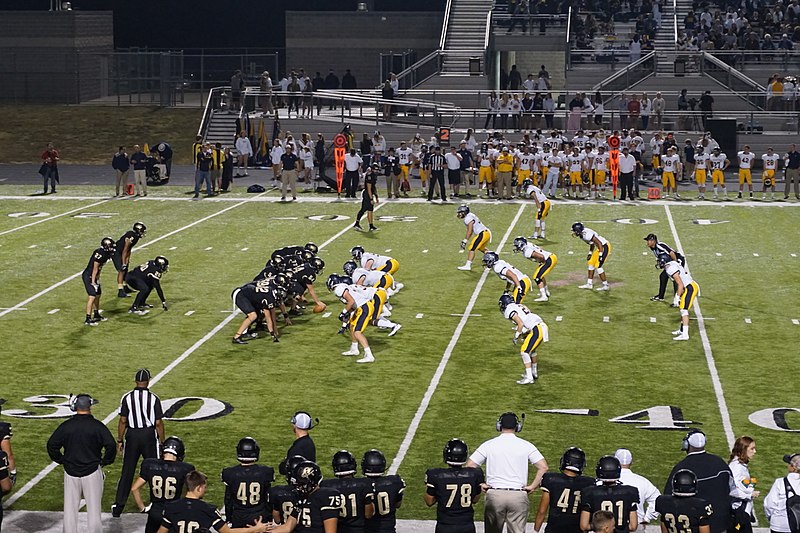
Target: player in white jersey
x,y
599,250
746,158
478,235
370,261
687,291
531,329
770,161
547,261
405,157
575,164
719,164
599,171
671,167
701,164
372,278
580,140
517,283
524,162
542,207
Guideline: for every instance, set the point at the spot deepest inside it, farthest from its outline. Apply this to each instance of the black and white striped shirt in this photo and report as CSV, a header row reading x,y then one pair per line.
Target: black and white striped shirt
x,y
663,248
142,408
437,162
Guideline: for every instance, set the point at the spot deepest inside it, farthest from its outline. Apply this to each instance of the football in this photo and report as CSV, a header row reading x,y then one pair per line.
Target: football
x,y
320,308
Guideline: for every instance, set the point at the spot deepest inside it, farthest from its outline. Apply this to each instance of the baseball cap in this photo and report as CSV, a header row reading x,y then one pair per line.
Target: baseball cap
x,y
302,420
697,440
651,237
624,456
142,375
792,459
508,421
84,402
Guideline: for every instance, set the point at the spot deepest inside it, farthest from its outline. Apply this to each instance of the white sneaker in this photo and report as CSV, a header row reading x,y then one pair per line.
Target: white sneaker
x,y
547,292
682,337
541,299
526,381
676,332
586,286
366,359
350,352
398,286
465,267
395,329
602,288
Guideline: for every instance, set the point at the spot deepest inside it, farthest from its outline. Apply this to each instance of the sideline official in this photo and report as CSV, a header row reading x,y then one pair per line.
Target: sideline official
x,y
507,457
83,445
139,430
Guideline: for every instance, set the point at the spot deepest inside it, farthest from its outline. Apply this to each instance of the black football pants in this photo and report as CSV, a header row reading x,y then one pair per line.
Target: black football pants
x,y
138,443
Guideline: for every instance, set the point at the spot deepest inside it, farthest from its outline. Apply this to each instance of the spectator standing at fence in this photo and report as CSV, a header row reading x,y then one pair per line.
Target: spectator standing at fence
x,y
659,106
331,84
387,94
317,84
775,100
514,78
121,163
139,162
492,108
646,109
265,86
319,156
635,49
245,150
49,168
706,108
634,110
237,86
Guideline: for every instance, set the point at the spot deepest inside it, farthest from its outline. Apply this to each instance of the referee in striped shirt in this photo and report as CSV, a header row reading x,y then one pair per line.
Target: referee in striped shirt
x,y
437,163
658,247
139,432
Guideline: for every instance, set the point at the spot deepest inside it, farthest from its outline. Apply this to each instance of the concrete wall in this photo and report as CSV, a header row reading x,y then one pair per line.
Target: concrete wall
x,y
319,41
53,57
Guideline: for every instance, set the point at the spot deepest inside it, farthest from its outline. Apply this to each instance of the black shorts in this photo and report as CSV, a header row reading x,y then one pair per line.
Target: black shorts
x,y
455,528
242,302
366,202
87,282
453,177
135,282
118,264
243,518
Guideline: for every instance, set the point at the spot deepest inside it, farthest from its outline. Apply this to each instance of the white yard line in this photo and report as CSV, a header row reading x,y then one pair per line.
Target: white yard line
x,y
437,376
712,365
148,243
158,377
53,217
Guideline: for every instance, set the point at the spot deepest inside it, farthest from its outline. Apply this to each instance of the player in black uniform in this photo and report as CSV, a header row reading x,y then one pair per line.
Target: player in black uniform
x,y
388,493
193,514
254,300
611,496
302,276
317,510
166,477
91,280
357,493
282,498
561,494
5,482
247,486
144,279
5,446
369,197
683,511
305,252
122,255
455,489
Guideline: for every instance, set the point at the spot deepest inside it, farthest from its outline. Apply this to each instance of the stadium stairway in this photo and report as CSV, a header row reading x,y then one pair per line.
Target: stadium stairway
x,y
466,30
221,128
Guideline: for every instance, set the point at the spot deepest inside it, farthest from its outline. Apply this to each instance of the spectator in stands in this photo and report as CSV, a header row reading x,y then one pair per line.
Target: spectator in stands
x,y
775,101
387,94
543,73
706,105
529,84
623,110
516,112
767,43
237,86
549,109
395,83
504,110
659,106
331,83
514,79
316,84
245,150
574,118
689,21
527,112
265,100
635,48
599,109
646,108
308,98
538,110
349,81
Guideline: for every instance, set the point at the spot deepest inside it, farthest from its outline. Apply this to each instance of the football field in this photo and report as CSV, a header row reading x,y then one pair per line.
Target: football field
x,y
611,376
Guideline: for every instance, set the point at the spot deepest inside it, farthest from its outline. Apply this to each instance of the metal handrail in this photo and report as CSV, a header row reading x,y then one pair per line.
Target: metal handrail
x,y
624,71
488,30
675,22
736,73
445,24
204,122
569,25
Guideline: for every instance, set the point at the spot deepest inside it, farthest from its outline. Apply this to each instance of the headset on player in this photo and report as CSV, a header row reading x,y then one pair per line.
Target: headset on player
x,y
519,421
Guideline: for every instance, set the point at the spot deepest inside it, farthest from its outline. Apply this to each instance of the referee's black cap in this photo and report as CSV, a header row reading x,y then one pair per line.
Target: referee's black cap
x,y
142,375
650,237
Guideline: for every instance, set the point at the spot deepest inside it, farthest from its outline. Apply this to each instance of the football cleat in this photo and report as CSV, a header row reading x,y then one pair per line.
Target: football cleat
x,y
395,329
239,340
681,337
89,322
123,294
386,313
585,286
464,267
656,298
350,352
541,299
366,359
98,318
677,332
602,288
398,286
526,381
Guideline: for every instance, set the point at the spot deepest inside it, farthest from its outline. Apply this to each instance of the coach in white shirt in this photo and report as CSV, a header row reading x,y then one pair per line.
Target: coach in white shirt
x,y
507,457
627,166
647,491
775,502
352,164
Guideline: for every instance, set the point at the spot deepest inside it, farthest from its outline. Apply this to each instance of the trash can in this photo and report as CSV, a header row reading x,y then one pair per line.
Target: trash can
x,y
474,66
680,66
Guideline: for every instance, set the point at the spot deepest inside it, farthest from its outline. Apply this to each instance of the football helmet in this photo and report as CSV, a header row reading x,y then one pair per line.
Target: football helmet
x,y
140,229
175,446
767,182
349,267
344,463
373,463
317,264
455,452
504,302
278,261
462,211
577,229
490,258
527,182
286,467
306,477
248,451
573,459
108,244
347,280
684,483
306,255
311,247
162,263
608,468
663,259
332,281
520,243
356,252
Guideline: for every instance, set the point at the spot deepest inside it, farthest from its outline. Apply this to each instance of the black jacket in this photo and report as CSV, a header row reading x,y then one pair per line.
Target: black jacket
x,y
86,443
714,481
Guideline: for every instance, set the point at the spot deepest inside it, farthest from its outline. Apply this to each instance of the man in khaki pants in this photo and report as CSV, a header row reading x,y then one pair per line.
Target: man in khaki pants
x,y
507,489
139,162
504,164
291,165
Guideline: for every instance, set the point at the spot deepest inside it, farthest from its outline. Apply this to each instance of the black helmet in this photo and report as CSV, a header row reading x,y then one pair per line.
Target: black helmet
x,y
140,229
573,459
344,463
317,264
608,468
311,247
455,452
684,483
356,252
108,244
374,463
577,228
287,466
162,263
349,267
175,446
247,451
306,477
520,243
663,259
505,301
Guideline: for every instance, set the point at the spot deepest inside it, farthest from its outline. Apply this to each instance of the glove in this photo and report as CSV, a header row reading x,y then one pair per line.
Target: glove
x,y
600,258
343,316
588,257
12,475
464,244
164,306
516,337
96,286
146,508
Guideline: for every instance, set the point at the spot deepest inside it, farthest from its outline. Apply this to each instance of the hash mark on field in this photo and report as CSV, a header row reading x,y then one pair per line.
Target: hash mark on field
x,y
796,322
606,319
188,313
209,248
793,255
326,315
53,311
718,254
33,246
245,249
652,319
559,318
420,315
755,254
173,247
748,321
644,253
67,247
424,251
388,250
570,252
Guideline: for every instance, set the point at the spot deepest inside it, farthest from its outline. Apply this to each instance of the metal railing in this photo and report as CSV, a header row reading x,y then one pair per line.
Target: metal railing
x,y
445,24
507,22
216,98
734,80
488,30
631,75
675,23
425,68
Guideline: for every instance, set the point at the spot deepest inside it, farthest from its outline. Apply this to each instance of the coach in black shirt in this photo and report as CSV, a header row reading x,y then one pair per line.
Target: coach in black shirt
x,y
83,445
302,445
139,430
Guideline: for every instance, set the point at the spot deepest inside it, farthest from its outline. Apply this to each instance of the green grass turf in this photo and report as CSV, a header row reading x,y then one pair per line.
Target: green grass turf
x,y
626,364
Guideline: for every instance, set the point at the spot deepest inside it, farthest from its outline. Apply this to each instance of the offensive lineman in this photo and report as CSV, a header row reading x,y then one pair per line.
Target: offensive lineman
x,y
371,261
91,280
357,492
547,259
247,486
388,493
561,494
535,331
599,250
687,292
611,495
542,207
144,279
455,490
122,255
658,247
478,235
682,510
512,276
